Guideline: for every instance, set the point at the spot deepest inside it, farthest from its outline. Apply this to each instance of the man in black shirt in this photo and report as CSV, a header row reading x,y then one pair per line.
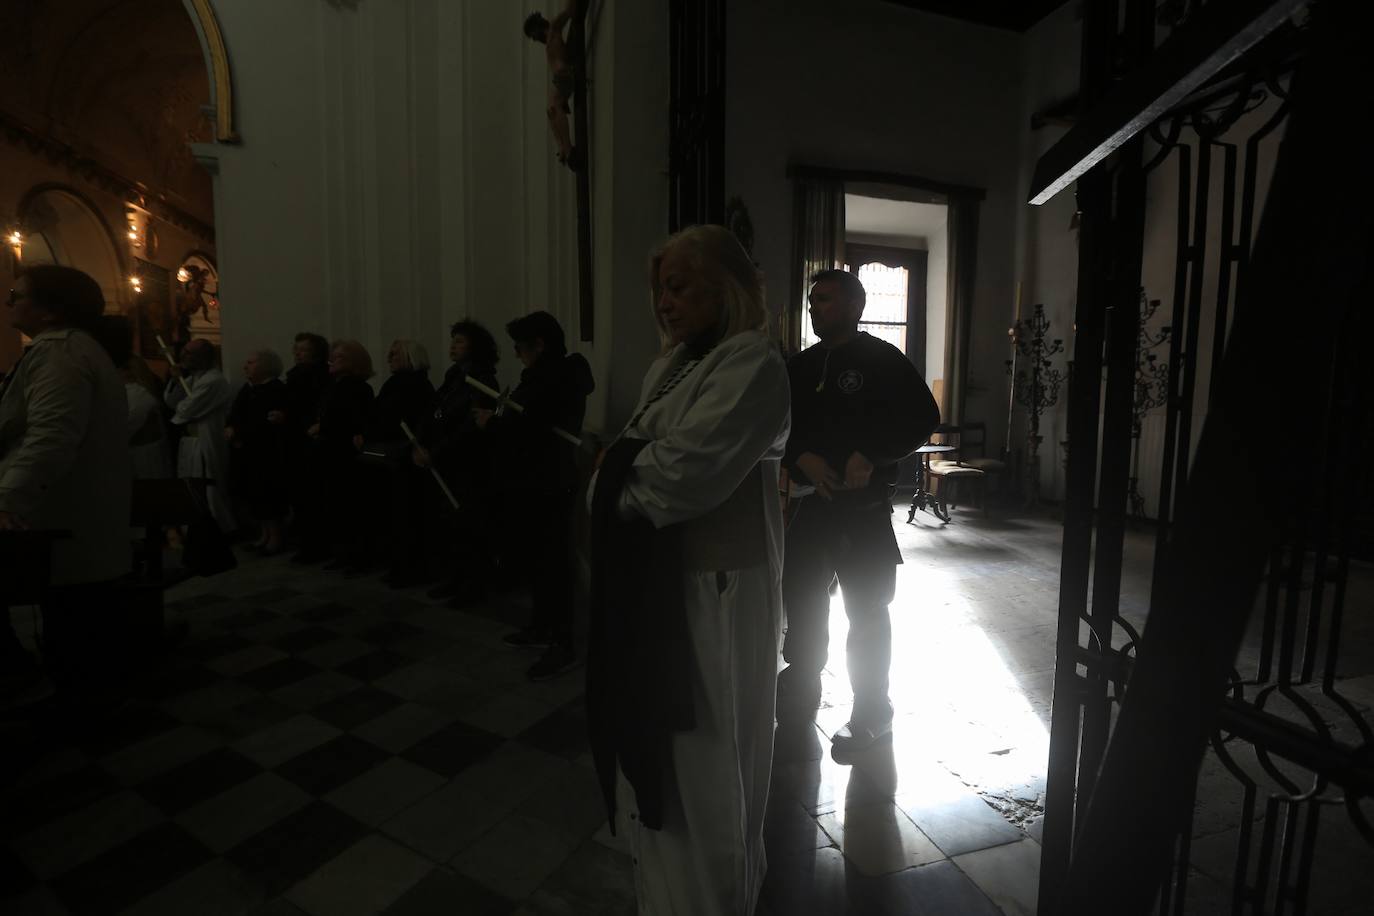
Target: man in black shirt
x,y
858,407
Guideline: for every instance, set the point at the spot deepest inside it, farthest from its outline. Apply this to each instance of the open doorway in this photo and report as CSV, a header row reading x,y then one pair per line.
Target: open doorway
x,y
913,242
900,251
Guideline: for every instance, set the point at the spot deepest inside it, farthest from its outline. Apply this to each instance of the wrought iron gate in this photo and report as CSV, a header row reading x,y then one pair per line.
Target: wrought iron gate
x,y
1221,757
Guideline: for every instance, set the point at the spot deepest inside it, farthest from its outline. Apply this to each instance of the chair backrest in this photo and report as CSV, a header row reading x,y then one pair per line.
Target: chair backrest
x,y
948,434
975,437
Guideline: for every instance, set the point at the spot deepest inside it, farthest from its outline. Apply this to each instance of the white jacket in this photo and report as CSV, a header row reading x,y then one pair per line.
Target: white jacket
x,y
64,463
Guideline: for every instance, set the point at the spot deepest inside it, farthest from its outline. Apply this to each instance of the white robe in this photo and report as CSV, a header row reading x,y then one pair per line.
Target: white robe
x,y
203,451
730,413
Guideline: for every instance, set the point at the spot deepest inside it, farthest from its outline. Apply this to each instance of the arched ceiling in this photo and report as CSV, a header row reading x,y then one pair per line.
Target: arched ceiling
x,y
122,81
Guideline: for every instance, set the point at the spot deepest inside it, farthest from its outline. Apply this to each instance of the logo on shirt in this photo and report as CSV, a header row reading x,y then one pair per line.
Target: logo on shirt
x,y
850,381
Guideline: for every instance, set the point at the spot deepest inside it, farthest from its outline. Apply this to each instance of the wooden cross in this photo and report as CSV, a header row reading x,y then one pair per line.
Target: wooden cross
x,y
567,60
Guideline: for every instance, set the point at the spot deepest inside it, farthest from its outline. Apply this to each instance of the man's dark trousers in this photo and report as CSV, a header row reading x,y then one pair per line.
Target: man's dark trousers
x,y
825,540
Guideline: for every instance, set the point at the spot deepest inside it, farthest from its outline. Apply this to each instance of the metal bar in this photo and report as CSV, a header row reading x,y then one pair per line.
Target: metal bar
x,y
1226,264
1094,199
1165,510
1122,326
1305,251
1330,450
1220,33
1341,764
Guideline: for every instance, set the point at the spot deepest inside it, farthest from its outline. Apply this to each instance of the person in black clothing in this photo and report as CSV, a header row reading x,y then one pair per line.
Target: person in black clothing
x,y
335,441
449,442
257,460
306,383
539,477
382,527
858,407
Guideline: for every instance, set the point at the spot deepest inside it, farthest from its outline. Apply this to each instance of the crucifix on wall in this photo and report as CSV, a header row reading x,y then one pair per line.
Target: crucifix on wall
x,y
567,59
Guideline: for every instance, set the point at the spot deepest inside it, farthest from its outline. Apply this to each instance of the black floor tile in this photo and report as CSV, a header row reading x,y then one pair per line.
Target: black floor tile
x,y
356,707
52,798
322,612
202,778
304,638
278,674
246,618
374,665
390,631
125,726
249,718
562,732
332,764
195,601
272,595
452,749
213,647
442,892
173,682
295,846
15,878
116,879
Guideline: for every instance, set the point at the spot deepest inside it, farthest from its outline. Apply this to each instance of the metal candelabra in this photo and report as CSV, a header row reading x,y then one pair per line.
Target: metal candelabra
x,y
1036,386
1151,390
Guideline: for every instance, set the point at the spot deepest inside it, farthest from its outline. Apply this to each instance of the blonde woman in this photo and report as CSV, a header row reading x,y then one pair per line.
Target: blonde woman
x,y
686,604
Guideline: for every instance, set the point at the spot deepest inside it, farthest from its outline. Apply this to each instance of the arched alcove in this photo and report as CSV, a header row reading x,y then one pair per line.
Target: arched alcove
x,y
63,227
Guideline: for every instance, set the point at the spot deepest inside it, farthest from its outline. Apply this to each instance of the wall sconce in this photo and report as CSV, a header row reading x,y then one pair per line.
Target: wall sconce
x,y
136,282
136,226
183,275
14,237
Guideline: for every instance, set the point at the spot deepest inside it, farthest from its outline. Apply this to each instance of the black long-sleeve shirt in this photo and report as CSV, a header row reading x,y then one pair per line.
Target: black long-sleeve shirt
x,y
863,396
406,396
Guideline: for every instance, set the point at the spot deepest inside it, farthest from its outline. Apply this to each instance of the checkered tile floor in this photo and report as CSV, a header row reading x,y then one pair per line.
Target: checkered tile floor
x,y
326,746
329,746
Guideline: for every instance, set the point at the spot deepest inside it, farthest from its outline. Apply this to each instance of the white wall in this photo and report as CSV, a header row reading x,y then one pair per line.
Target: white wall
x,y
1047,250
871,85
937,295
396,173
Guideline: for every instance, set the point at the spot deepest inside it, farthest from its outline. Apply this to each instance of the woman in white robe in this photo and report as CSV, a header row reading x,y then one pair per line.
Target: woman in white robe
x,y
203,450
715,411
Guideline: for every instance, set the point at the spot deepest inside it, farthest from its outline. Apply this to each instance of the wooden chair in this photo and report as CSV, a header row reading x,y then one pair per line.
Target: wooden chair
x,y
949,474
973,450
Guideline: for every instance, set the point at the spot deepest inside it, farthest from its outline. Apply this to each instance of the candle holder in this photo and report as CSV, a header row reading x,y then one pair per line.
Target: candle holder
x,y
1036,386
1151,390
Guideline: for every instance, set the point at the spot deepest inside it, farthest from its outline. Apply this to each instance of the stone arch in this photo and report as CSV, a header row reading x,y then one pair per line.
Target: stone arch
x,y
202,14
74,232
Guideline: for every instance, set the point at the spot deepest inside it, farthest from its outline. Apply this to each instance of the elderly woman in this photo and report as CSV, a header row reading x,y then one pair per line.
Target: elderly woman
x,y
200,414
686,603
336,437
257,456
